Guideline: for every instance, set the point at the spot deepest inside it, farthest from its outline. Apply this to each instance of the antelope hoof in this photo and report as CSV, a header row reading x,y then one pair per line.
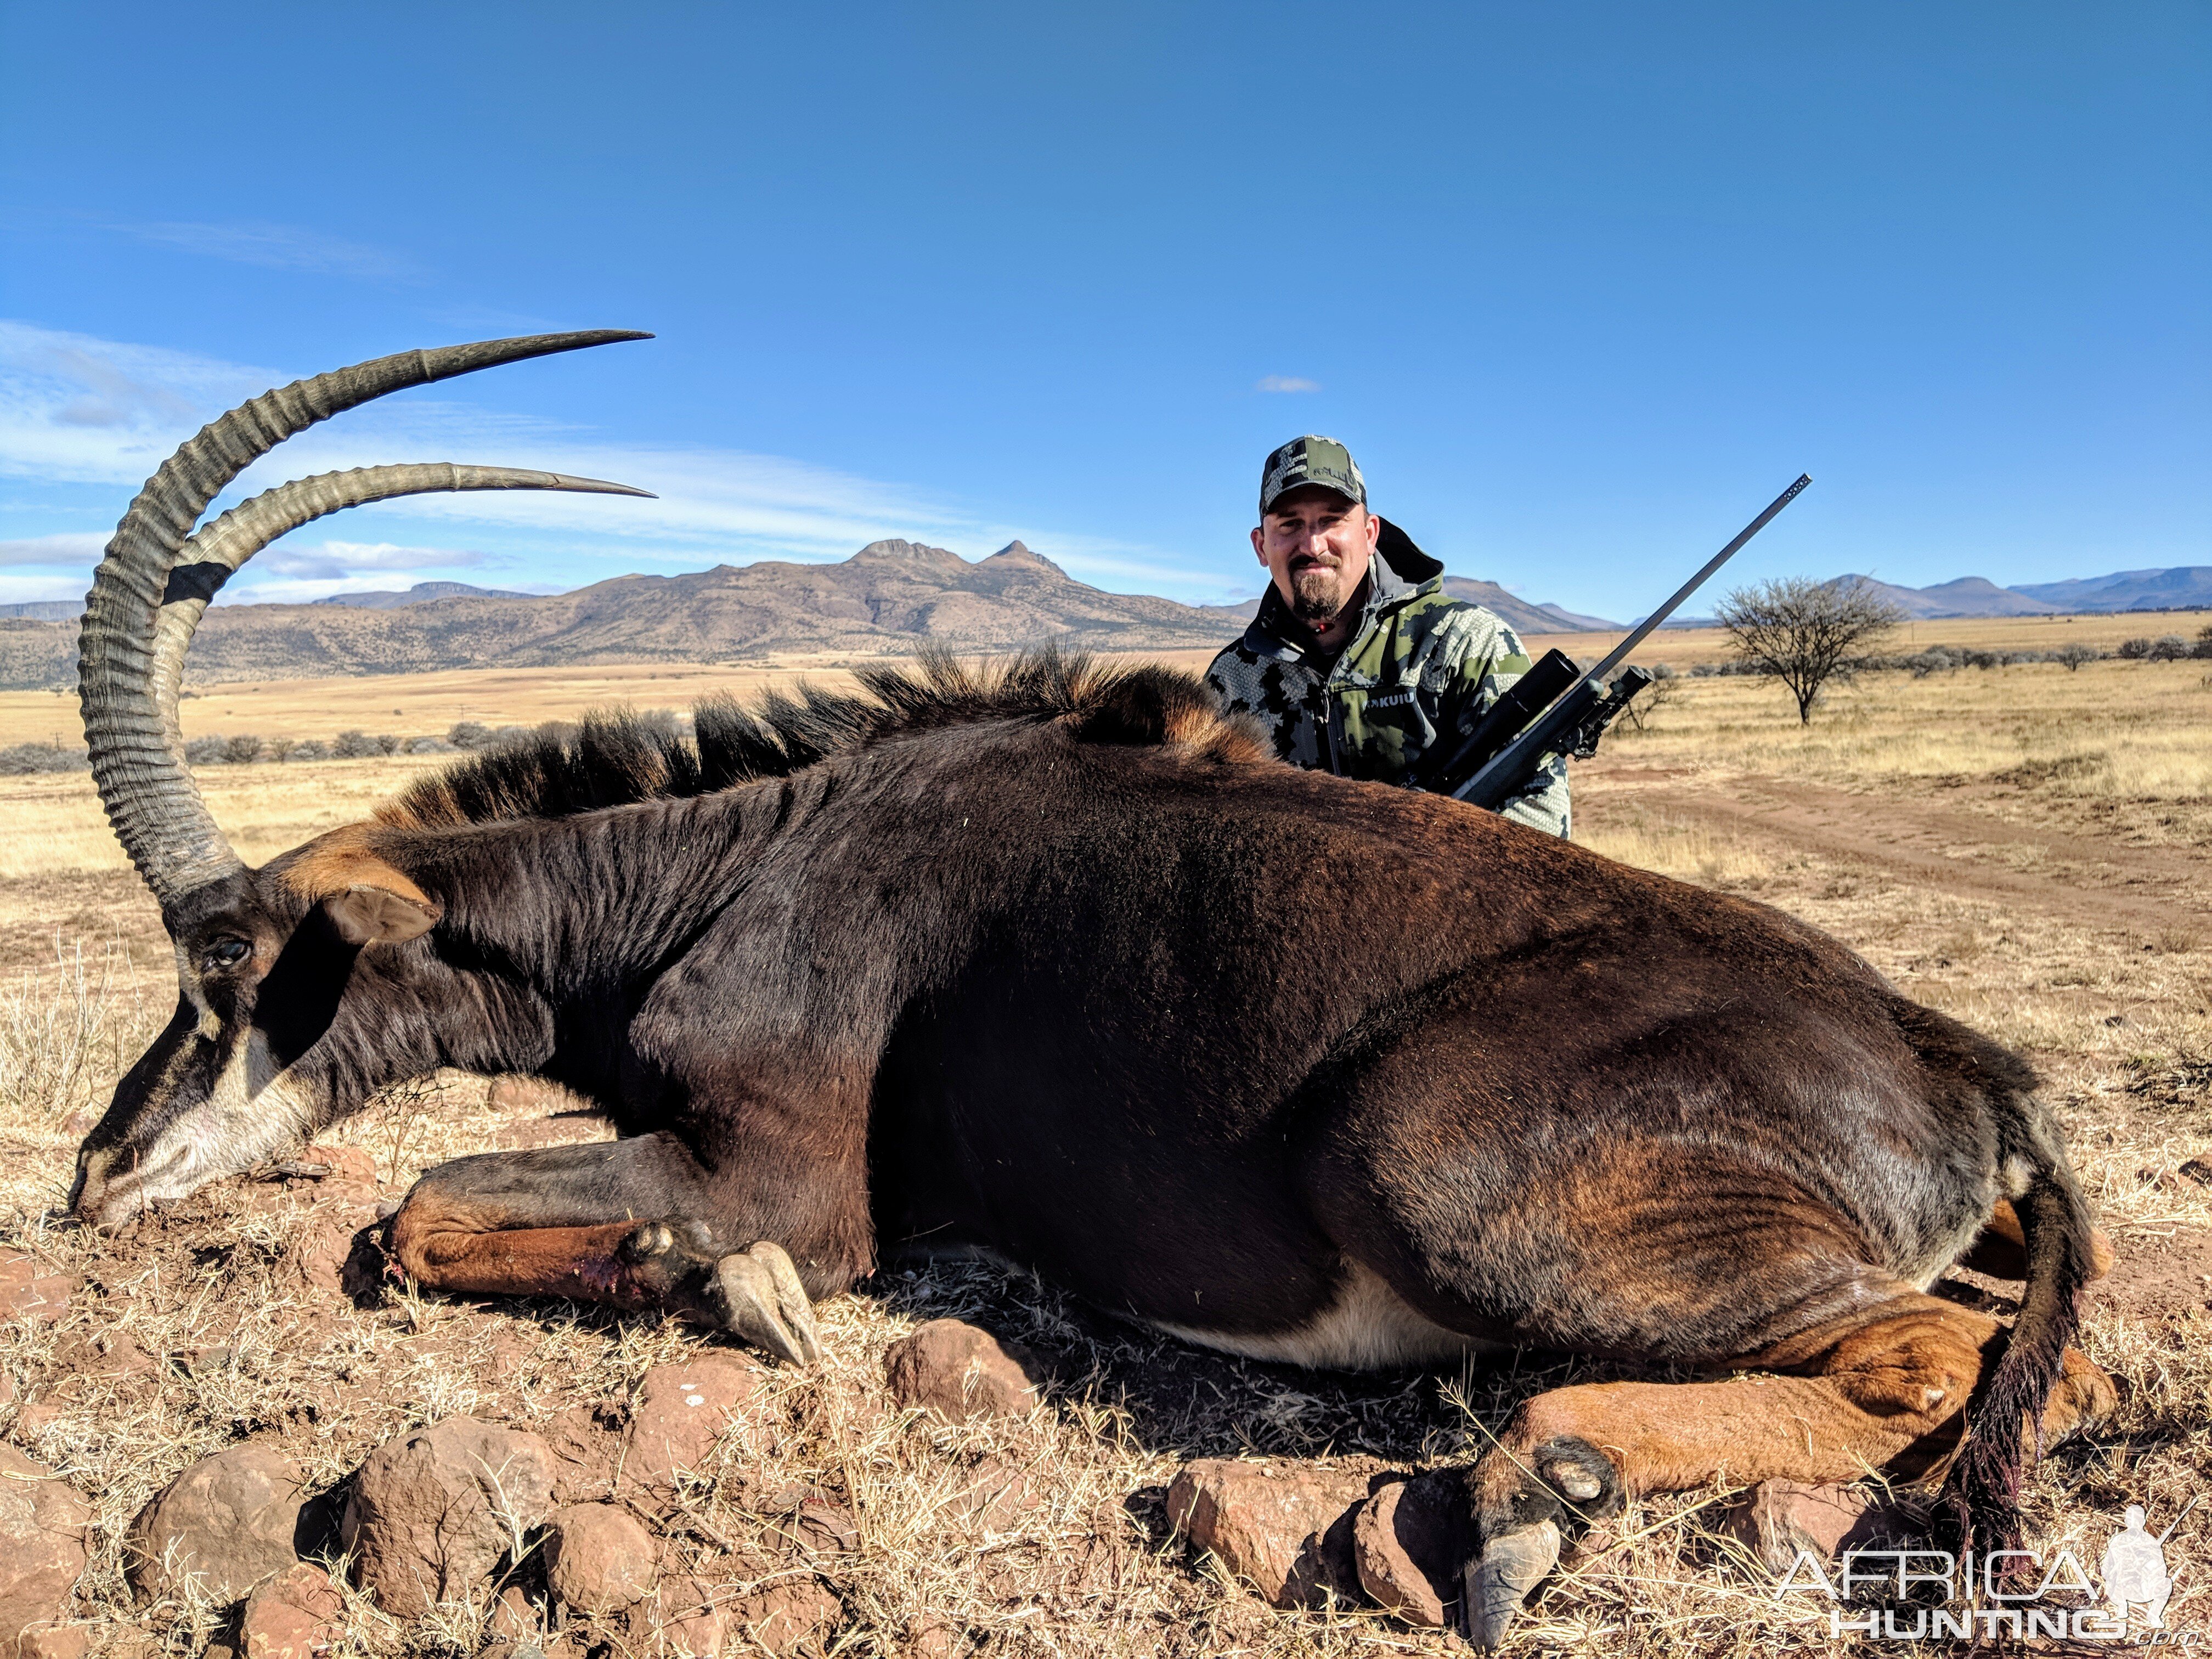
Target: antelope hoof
x,y
1497,1581
1521,1500
756,1296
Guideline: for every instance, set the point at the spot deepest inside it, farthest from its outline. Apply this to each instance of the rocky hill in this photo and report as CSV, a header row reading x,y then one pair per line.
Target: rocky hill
x,y
886,599
2182,587
1520,614
419,592
1969,595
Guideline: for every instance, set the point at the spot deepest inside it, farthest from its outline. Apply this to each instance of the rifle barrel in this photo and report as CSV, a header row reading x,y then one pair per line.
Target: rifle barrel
x,y
1643,630
1494,780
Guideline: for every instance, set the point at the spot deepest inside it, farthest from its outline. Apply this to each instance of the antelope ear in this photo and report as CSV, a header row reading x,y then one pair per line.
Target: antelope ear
x,y
365,914
369,900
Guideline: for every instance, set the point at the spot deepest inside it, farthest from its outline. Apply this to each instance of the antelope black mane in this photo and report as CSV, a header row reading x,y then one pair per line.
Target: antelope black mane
x,y
615,757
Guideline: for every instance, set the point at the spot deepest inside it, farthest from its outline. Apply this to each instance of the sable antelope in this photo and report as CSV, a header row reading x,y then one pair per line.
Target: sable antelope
x,y
1057,963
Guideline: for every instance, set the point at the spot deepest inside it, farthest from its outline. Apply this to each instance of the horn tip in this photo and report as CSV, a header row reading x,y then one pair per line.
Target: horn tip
x,y
598,486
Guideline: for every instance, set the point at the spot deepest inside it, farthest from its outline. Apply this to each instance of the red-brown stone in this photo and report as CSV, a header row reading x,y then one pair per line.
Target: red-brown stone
x,y
960,1372
296,1615
1285,1528
1411,1541
29,1289
43,1524
1775,1519
784,1617
221,1526
598,1559
431,1512
682,1411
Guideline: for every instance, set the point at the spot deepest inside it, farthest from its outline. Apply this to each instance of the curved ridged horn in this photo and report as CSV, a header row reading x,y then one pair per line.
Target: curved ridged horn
x,y
156,812
216,552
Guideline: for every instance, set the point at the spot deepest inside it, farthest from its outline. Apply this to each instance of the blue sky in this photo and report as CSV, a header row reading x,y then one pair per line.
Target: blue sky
x,y
1582,285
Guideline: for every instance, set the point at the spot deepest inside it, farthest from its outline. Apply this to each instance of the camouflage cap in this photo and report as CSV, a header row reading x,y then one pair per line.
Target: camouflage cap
x,y
1310,460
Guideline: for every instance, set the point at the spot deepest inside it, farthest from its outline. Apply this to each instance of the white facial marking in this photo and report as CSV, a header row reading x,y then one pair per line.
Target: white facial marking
x,y
254,1111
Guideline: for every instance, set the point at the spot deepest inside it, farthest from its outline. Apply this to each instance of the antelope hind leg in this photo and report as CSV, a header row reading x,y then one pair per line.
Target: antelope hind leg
x,y
565,1221
1874,1386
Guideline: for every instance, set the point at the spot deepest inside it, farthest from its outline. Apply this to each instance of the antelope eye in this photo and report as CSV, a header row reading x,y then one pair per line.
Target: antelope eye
x,y
226,953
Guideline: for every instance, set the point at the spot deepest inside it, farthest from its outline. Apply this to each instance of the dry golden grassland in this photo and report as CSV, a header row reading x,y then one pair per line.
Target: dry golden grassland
x,y
2027,848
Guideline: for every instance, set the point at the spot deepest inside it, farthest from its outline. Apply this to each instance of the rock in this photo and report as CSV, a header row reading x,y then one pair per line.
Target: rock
x,y
224,1525
681,1619
598,1560
42,1545
431,1512
1410,1543
514,1618
962,1371
1285,1528
681,1411
349,1166
28,1291
56,1642
517,1093
586,1454
779,1619
294,1615
7,1389
1778,1518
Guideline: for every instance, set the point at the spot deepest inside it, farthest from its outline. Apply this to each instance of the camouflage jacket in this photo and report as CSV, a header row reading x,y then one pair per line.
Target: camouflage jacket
x,y
1418,670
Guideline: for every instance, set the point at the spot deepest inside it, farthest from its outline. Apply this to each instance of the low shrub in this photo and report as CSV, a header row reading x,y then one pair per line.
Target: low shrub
x,y
26,758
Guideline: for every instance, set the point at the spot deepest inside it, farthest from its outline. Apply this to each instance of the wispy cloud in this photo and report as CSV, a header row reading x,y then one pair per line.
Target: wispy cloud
x,y
69,550
279,247
339,561
715,505
1285,383
79,409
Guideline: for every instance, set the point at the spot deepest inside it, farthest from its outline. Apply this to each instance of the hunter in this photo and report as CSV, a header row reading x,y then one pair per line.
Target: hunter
x,y
1358,662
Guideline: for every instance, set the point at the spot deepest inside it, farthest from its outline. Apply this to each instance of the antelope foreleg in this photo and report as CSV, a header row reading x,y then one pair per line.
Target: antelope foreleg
x,y
621,1223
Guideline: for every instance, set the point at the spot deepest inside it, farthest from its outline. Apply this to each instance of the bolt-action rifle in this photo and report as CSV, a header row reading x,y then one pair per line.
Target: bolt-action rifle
x,y
1555,708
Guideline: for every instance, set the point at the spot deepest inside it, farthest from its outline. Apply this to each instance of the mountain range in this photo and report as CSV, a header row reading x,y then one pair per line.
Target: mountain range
x,y
419,592
2184,588
886,598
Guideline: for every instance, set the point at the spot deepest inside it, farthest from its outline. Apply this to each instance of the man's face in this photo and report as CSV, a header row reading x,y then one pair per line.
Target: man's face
x,y
1317,546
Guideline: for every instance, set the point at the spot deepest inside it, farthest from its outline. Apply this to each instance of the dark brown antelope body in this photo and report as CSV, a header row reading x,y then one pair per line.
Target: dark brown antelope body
x,y
1056,963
